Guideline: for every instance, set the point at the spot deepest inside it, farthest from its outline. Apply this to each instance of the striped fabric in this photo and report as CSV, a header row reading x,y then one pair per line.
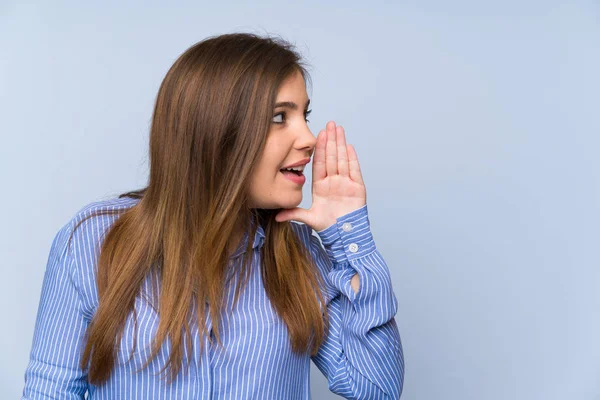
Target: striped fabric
x,y
362,356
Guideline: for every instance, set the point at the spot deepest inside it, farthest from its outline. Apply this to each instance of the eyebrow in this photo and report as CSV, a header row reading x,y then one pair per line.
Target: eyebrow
x,y
290,104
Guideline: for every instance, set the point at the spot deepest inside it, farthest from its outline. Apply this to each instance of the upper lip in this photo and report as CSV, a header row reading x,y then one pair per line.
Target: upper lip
x,y
299,163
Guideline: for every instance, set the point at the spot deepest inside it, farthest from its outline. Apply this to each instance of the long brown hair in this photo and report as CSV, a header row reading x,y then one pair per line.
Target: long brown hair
x,y
212,115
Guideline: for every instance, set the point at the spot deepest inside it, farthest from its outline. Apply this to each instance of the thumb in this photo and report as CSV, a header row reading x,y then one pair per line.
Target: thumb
x,y
296,214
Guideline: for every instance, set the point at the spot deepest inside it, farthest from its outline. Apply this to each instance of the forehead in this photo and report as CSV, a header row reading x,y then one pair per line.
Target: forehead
x,y
293,86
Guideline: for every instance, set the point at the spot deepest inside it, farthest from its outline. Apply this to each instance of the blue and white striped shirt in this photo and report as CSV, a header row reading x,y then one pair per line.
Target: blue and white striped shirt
x,y
362,356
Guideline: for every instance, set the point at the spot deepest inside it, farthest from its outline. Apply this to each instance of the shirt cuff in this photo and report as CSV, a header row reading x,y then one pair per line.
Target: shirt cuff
x,y
349,238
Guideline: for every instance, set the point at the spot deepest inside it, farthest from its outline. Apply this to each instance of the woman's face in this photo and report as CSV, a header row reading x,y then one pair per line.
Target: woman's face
x,y
289,141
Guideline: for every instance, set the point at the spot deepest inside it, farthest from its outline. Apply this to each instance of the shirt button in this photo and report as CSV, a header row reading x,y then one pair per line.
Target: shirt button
x,y
353,247
347,227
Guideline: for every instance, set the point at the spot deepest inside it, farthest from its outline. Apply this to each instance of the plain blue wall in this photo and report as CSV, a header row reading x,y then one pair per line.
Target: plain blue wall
x,y
477,128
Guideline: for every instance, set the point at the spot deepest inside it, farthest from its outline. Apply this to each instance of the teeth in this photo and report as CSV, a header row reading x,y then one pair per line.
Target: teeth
x,y
300,168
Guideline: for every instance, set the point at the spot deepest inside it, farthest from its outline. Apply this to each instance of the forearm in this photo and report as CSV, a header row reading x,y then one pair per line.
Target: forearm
x,y
362,356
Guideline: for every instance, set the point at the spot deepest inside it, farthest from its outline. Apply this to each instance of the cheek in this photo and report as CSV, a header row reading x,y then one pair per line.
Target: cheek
x,y
268,168
268,182
264,181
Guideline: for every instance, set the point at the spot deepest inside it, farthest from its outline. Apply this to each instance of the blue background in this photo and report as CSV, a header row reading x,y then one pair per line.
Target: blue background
x,y
477,129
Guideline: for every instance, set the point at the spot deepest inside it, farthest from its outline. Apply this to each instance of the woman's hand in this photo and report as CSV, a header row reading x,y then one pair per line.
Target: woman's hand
x,y
337,188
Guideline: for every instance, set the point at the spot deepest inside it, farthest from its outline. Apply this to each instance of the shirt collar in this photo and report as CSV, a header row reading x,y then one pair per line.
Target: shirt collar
x,y
259,239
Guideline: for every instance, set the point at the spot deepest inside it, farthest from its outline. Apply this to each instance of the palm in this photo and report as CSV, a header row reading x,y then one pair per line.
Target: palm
x,y
338,187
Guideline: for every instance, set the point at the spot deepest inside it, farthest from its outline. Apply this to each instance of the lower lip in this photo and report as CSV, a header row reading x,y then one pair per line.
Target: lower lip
x,y
298,179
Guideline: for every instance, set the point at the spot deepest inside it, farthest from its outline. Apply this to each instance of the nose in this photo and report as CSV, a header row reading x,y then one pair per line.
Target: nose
x,y
306,140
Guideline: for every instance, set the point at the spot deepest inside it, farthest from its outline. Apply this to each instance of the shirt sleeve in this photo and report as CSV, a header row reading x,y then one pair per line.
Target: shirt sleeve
x,y
53,371
362,356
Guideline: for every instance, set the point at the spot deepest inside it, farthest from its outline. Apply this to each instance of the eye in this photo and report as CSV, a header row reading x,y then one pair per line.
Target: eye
x,y
282,115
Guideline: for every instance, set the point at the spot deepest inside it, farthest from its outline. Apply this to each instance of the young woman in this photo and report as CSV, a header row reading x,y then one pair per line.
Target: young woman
x,y
200,285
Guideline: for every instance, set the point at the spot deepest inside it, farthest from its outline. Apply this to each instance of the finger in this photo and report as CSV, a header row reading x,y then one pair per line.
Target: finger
x,y
330,150
355,173
342,155
318,167
294,214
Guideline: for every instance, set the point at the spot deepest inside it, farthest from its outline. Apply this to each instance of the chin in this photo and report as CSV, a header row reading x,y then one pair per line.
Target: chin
x,y
283,203
291,202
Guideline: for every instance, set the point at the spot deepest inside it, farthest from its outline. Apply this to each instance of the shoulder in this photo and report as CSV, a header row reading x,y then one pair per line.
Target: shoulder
x,y
89,224
82,237
111,204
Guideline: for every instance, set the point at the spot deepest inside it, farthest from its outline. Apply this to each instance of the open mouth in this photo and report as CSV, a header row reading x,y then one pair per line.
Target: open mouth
x,y
294,176
299,173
